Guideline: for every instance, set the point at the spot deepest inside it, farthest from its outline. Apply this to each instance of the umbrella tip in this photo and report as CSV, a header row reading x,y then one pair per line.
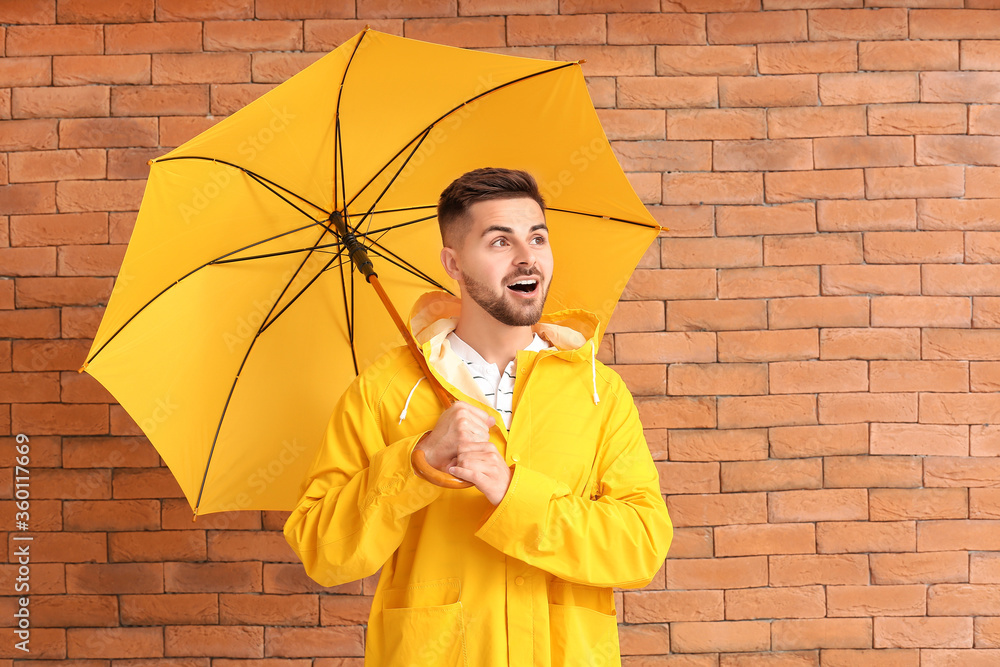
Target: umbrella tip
x,y
195,517
581,61
81,368
664,229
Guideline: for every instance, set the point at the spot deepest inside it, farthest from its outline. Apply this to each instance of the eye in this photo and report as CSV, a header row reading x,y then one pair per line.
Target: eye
x,y
538,240
499,242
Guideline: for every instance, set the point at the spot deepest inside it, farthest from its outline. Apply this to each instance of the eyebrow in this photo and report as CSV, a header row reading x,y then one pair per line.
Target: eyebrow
x,y
509,230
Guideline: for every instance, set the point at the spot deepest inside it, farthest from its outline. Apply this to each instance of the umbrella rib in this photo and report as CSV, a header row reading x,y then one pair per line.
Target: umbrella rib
x,y
448,113
338,137
218,260
260,179
402,224
598,215
406,266
264,324
347,316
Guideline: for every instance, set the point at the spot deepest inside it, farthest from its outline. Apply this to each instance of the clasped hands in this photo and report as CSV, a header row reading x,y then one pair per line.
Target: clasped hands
x,y
460,445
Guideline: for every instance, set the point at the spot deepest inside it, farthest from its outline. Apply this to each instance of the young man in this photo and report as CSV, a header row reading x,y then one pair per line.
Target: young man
x,y
517,570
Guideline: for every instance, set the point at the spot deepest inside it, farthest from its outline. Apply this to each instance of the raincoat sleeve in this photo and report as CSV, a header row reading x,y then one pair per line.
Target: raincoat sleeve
x,y
616,538
359,496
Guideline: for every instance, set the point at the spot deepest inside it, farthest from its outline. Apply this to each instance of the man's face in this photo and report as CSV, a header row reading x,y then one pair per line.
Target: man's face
x,y
503,260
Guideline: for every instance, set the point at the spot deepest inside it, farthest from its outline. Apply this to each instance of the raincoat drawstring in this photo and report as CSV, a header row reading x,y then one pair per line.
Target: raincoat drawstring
x,y
593,370
402,415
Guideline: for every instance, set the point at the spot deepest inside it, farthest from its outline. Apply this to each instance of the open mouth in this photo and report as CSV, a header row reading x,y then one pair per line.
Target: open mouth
x,y
525,286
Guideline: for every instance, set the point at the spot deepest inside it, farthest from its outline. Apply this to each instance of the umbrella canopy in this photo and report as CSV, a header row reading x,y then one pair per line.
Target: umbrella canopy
x,y
237,318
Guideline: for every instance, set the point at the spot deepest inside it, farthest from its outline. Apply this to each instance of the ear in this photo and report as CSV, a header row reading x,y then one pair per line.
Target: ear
x,y
449,260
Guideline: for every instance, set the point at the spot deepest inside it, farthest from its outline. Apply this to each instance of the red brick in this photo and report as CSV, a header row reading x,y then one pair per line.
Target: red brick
x,y
130,163
99,195
156,546
768,345
647,284
727,636
808,249
771,475
919,504
975,535
173,609
33,323
864,537
908,182
144,38
355,610
868,88
277,67
908,56
806,570
920,568
74,610
718,445
954,24
762,155
825,440
69,548
58,165
808,57
864,215
913,247
688,477
28,262
978,55
212,577
114,578
797,602
114,642
677,412
309,642
985,312
873,472
757,27
825,184
812,311
717,379
958,149
984,376
981,87
470,32
982,247
28,71
817,505
95,11
27,198
242,609
53,230
848,152
714,315
654,156
768,282
174,131
857,24
717,510
303,9
234,641
633,124
634,316
180,10
200,68
792,90
709,6
32,11
919,376
111,515
796,634
706,60
808,377
82,70
51,40
255,36
727,188
650,92
961,344
759,411
976,214
794,122
871,280
48,418
715,124
673,606
234,545
711,252
902,600
49,355
687,543
107,132
863,407
796,218
913,119
923,632
156,483
183,100
984,119
960,472
103,452
573,29
327,34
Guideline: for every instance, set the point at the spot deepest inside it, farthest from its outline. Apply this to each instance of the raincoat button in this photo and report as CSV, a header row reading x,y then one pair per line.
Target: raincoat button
x,y
519,581
515,458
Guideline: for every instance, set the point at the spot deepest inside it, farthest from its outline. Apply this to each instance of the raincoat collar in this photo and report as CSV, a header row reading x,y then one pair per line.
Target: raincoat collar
x,y
575,333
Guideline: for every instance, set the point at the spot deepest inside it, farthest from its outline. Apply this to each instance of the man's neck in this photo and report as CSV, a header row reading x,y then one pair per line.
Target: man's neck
x,y
495,342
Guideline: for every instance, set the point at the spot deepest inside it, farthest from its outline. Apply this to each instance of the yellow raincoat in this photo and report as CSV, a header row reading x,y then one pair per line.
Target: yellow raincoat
x,y
526,583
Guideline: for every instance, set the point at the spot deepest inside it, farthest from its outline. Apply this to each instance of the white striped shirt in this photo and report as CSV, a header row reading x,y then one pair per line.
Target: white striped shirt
x,y
497,387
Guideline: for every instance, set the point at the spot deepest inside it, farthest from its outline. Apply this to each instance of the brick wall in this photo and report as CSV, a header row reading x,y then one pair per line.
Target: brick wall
x,y
813,346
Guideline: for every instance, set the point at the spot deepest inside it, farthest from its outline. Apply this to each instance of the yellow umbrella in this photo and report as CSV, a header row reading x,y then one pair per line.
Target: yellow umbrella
x,y
238,318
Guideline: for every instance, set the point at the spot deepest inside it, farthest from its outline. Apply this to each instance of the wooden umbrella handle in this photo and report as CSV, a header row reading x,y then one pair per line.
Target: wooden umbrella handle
x,y
418,459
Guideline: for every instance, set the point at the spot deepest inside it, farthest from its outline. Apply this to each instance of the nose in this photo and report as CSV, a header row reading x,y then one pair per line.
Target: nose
x,y
523,255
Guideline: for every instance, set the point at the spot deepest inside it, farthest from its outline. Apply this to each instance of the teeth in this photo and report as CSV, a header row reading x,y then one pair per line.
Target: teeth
x,y
525,282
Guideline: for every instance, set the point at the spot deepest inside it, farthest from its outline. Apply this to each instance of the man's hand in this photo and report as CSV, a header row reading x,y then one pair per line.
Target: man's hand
x,y
459,445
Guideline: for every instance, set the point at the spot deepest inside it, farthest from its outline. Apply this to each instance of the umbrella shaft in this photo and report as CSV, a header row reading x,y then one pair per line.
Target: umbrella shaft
x,y
354,248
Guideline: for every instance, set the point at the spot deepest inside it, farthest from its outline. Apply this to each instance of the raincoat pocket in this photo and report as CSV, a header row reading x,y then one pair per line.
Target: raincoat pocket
x,y
583,626
424,625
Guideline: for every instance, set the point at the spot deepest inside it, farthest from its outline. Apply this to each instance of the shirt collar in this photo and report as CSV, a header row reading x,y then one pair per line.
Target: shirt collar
x,y
469,354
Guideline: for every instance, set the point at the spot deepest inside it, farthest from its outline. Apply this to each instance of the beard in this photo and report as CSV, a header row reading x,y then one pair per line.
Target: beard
x,y
503,307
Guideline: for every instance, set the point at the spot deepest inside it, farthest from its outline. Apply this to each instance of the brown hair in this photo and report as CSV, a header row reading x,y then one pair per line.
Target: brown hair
x,y
481,185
